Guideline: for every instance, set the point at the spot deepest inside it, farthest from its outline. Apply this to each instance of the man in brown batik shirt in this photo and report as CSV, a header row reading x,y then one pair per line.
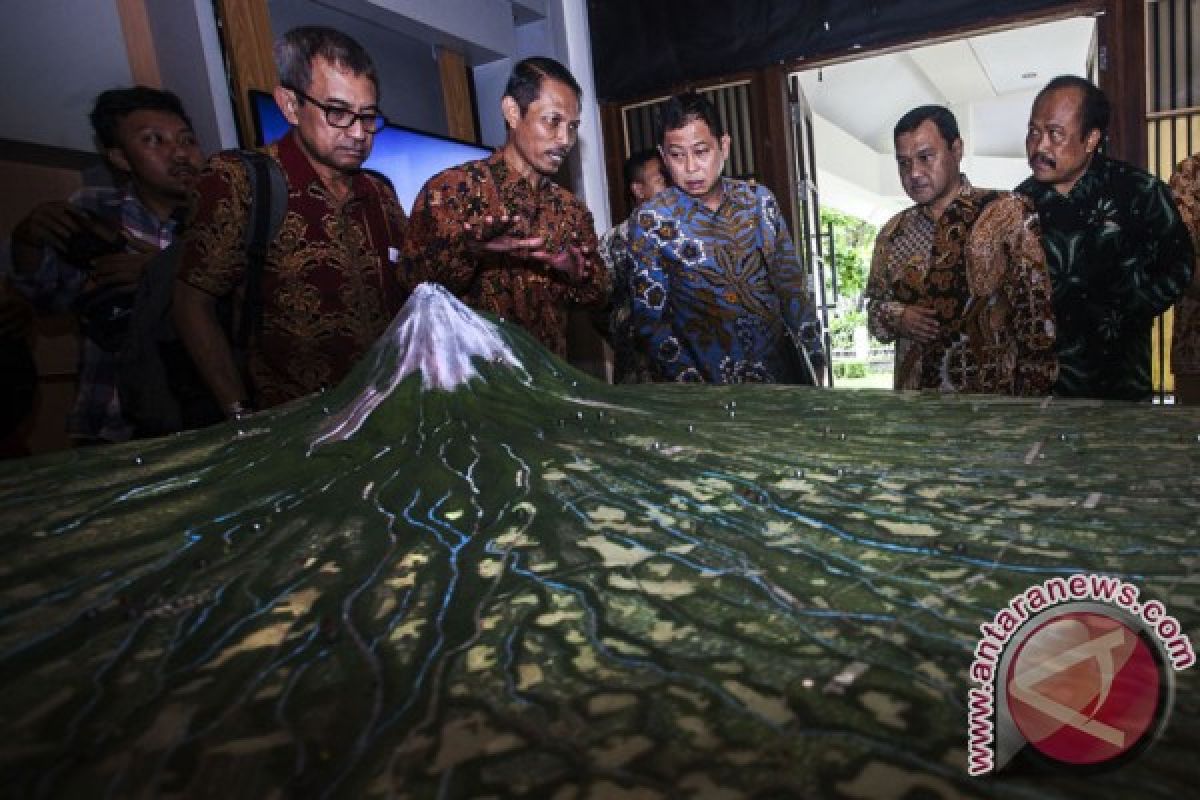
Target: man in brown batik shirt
x,y
959,280
499,233
1185,335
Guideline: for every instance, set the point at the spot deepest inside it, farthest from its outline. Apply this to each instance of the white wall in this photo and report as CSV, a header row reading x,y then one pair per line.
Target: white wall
x,y
489,88
569,19
189,63
533,38
56,56
482,29
59,54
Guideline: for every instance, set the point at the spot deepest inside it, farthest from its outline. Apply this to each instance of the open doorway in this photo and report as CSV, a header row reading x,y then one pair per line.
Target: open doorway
x,y
846,112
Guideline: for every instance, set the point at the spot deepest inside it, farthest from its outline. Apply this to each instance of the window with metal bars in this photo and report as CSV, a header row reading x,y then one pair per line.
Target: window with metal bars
x,y
732,102
1173,87
1172,121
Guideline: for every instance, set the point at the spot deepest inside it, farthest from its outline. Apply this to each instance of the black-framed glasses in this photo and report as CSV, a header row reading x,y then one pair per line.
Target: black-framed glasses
x,y
338,117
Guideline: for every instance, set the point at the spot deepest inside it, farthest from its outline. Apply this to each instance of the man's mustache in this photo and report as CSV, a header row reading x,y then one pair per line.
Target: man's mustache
x,y
1043,160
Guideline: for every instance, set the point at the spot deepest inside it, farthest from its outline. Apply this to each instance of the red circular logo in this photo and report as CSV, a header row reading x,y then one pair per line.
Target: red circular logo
x,y
1083,688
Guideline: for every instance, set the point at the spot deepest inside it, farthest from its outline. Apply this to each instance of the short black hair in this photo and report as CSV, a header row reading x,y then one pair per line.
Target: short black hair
x,y
298,48
635,163
114,105
681,109
946,124
1096,108
525,83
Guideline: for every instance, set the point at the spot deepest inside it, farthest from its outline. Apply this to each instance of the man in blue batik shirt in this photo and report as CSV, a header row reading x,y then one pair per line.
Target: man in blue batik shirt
x,y
719,295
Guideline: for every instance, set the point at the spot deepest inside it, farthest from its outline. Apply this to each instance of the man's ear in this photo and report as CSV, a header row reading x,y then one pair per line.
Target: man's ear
x,y
116,157
1091,143
287,102
638,190
956,149
725,145
510,111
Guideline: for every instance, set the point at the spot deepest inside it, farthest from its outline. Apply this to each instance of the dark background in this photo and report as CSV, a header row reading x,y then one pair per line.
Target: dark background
x,y
645,46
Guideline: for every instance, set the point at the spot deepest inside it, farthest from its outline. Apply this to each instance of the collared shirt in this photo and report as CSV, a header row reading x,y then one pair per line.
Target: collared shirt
x,y
980,267
721,296
521,290
57,286
630,365
1119,255
330,284
1185,336
902,251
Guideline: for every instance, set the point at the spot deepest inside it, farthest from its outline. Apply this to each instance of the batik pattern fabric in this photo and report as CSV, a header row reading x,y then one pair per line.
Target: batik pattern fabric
x,y
900,259
721,296
1185,336
630,364
58,286
331,282
981,269
521,290
1119,255
1001,340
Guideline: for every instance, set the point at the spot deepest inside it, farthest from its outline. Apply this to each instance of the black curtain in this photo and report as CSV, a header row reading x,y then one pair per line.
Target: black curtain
x,y
644,46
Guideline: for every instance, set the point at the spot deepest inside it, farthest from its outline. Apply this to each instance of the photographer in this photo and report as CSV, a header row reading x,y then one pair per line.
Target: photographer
x,y
88,253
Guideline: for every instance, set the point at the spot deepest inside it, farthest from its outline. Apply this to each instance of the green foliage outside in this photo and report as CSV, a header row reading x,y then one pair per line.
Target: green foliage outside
x,y
849,369
853,241
841,328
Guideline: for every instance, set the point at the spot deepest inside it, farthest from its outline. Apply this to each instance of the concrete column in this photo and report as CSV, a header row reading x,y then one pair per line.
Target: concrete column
x,y
591,182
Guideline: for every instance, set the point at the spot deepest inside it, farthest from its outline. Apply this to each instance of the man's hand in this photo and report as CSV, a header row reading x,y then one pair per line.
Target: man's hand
x,y
194,312
50,225
572,262
918,323
123,269
65,228
493,237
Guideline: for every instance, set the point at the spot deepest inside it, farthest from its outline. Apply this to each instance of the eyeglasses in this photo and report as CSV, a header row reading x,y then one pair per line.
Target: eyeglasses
x,y
338,117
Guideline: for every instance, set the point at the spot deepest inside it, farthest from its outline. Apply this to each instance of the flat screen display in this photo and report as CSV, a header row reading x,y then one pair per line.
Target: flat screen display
x,y
408,157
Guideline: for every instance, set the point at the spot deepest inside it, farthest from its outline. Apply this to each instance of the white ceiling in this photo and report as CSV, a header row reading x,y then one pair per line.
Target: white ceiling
x,y
988,81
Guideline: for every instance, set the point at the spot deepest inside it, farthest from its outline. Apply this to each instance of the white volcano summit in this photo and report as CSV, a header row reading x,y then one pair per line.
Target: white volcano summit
x,y
433,334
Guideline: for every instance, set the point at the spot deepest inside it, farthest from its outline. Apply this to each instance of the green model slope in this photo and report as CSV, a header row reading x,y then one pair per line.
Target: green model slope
x,y
536,585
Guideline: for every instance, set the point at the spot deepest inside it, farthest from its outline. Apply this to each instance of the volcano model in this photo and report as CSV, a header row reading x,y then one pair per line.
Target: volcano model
x,y
470,571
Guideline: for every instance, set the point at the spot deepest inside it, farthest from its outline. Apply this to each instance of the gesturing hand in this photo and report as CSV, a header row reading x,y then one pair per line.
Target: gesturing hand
x,y
571,262
918,323
51,225
492,236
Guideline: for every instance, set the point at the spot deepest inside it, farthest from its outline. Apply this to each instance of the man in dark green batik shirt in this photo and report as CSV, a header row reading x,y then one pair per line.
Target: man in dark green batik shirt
x,y
1117,250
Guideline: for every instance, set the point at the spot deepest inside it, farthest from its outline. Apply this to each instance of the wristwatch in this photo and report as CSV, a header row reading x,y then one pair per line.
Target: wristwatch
x,y
237,410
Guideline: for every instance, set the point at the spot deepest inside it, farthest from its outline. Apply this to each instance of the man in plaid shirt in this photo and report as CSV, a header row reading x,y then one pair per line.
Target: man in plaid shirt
x,y
89,252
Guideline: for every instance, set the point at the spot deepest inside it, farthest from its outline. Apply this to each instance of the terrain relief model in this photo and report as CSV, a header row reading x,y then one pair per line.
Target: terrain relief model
x,y
470,571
